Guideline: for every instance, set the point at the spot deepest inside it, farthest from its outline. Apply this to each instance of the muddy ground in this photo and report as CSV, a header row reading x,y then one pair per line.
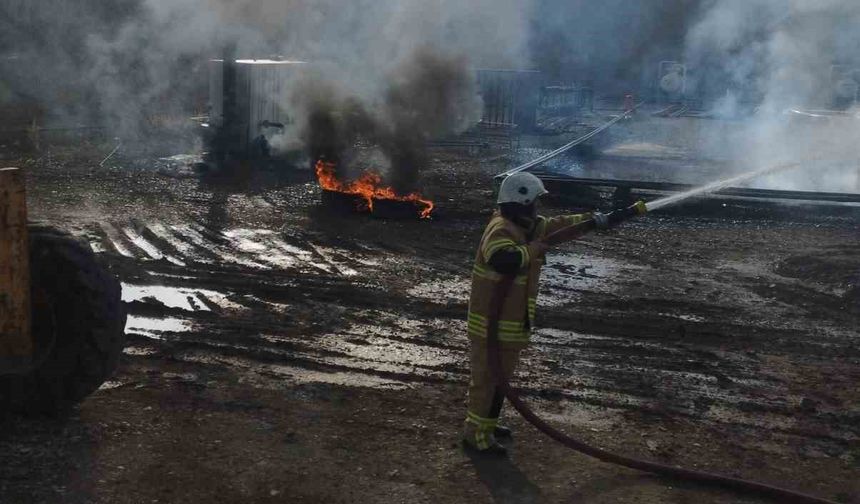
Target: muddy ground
x,y
282,352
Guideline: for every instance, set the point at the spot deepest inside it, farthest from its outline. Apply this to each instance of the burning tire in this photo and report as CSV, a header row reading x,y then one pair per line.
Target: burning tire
x,y
78,326
368,194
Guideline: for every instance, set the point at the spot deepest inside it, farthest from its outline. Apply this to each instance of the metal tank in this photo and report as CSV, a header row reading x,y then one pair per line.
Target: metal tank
x,y
249,105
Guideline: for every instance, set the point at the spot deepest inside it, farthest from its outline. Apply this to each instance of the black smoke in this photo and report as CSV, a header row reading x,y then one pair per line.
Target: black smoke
x,y
612,44
428,95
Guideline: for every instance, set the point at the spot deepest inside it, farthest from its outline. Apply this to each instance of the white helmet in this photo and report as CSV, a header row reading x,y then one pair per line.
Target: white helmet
x,y
523,188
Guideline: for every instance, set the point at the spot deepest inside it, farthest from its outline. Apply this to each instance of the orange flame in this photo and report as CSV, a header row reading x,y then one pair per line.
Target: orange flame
x,y
369,187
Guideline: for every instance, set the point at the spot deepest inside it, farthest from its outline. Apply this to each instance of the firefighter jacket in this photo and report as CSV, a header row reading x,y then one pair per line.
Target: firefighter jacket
x,y
518,312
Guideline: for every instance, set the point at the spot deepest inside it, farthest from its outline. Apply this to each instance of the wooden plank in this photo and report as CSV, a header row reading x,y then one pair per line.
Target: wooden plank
x,y
16,344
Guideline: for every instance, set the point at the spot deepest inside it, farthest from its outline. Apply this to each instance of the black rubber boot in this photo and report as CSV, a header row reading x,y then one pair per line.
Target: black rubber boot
x,y
502,432
494,450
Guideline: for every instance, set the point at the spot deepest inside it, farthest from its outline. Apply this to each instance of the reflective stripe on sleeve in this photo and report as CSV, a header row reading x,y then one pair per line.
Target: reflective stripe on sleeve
x,y
526,256
496,245
486,273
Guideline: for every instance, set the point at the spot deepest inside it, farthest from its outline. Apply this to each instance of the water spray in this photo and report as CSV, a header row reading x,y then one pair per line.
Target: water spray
x,y
716,186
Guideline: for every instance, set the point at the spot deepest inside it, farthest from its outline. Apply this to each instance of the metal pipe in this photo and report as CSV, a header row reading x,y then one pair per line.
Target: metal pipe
x,y
743,192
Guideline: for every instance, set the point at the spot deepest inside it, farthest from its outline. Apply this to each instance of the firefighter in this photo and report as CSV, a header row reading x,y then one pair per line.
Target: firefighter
x,y
511,244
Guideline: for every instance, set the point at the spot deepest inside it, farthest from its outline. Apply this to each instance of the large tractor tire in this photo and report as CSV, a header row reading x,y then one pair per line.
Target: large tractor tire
x,y
78,326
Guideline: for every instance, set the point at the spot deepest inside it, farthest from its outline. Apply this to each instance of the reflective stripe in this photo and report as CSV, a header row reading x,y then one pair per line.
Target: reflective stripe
x,y
517,338
486,273
482,439
540,229
557,223
496,245
480,421
512,336
484,428
481,330
480,269
526,256
478,320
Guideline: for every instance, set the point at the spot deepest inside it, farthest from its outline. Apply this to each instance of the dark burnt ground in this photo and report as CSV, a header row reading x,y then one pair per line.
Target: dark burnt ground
x,y
282,352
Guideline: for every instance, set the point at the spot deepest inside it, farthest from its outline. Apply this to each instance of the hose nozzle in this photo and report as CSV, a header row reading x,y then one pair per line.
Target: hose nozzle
x,y
622,214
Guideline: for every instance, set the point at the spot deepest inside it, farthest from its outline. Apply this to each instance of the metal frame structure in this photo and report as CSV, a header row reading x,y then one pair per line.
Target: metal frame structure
x,y
743,192
248,100
510,98
565,99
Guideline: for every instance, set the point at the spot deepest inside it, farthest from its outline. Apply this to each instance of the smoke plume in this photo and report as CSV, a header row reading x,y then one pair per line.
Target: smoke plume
x,y
120,63
428,95
612,44
394,72
778,58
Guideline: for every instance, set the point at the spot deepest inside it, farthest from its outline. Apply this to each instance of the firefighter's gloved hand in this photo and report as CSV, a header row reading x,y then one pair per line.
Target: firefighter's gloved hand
x,y
601,220
622,214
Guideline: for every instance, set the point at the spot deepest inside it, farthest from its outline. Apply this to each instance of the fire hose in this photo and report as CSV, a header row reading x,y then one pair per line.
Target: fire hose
x,y
494,359
564,148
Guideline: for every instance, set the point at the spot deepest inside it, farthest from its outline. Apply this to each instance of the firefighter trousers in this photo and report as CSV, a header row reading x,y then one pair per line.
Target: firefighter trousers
x,y
484,399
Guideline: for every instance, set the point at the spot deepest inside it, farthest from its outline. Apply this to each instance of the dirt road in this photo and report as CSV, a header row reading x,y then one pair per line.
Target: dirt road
x,y
279,352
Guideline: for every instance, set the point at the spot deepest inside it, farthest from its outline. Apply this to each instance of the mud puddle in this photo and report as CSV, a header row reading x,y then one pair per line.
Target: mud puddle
x,y
195,243
566,276
186,299
156,328
447,291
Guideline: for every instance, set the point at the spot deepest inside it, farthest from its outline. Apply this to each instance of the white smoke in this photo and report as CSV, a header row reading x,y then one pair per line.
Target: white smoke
x,y
778,56
130,58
